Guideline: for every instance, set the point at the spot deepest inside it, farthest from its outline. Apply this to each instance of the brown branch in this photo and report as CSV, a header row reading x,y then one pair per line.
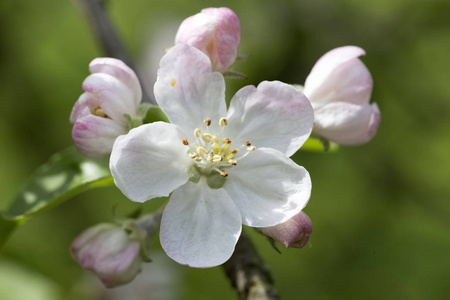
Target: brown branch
x,y
104,30
248,273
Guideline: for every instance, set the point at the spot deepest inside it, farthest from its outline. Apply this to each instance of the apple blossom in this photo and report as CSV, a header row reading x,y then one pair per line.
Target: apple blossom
x,y
292,233
339,88
106,109
224,168
109,252
216,32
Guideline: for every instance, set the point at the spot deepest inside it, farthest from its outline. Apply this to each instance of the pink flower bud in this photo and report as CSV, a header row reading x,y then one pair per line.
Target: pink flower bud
x,y
339,88
292,233
111,91
109,252
216,32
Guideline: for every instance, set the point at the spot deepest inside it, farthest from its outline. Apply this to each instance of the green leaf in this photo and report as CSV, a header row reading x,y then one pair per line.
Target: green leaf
x,y
316,145
66,174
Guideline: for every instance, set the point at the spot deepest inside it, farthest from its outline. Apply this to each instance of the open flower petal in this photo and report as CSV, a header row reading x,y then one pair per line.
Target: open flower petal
x,y
94,136
114,97
121,71
274,115
150,161
200,226
347,123
268,188
187,89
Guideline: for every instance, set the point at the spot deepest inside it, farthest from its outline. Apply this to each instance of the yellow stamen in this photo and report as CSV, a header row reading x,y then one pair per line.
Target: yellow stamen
x,y
185,142
201,150
197,132
217,158
252,148
206,137
223,122
207,122
224,173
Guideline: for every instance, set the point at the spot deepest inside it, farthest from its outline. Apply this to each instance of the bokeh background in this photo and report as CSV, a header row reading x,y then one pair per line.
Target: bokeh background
x,y
380,211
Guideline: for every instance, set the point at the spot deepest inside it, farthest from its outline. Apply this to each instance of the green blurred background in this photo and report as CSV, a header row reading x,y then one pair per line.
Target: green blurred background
x,y
380,211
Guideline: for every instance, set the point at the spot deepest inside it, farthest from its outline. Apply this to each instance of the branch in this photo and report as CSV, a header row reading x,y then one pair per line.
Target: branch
x,y
95,13
248,273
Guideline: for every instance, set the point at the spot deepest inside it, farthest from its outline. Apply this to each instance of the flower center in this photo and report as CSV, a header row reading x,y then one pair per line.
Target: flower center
x,y
213,152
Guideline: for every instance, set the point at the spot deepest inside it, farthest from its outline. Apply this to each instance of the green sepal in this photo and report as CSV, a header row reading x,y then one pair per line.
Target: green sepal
x,y
65,175
132,123
152,113
319,145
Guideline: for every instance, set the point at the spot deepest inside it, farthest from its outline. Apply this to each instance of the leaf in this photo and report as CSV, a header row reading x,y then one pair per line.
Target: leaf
x,y
316,145
66,174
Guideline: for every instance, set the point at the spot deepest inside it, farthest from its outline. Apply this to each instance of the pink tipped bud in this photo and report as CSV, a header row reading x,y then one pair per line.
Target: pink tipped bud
x,y
339,88
109,252
111,91
292,233
216,32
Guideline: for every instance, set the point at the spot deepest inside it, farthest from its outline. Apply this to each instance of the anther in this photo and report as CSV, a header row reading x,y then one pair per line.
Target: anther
x,y
198,159
224,173
197,132
201,150
247,143
226,141
217,158
193,155
223,122
234,151
215,139
252,148
206,137
185,142
232,162
207,122
100,112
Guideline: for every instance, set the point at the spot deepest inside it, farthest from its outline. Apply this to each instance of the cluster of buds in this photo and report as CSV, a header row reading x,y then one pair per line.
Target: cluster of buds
x,y
339,89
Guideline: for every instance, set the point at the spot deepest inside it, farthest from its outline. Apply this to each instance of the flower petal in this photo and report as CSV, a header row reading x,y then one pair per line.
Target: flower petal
x,y
268,188
114,97
150,161
200,226
274,115
226,39
347,123
197,31
94,136
85,100
187,89
339,76
121,71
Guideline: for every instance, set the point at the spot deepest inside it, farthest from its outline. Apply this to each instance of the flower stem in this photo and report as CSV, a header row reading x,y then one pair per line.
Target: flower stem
x,y
248,273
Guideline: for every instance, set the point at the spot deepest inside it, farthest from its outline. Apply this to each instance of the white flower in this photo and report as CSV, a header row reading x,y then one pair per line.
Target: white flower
x,y
339,88
218,179
111,91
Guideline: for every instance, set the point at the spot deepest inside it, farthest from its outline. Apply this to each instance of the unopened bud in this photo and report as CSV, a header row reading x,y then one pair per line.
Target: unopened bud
x,y
110,252
292,233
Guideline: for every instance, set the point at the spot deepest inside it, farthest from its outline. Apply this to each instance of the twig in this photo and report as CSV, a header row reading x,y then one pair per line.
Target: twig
x,y
105,32
248,273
